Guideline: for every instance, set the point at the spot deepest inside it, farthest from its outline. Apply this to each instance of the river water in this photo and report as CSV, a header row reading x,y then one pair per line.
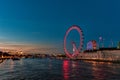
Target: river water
x,y
54,69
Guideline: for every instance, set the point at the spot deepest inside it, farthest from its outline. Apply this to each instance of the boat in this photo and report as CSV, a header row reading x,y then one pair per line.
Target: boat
x,y
15,58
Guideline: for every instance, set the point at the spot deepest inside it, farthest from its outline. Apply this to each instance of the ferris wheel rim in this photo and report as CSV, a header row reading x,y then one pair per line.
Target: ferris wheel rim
x,y
81,39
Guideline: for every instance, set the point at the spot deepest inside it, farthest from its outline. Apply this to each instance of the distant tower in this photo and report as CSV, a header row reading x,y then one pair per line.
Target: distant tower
x,y
118,45
111,43
101,41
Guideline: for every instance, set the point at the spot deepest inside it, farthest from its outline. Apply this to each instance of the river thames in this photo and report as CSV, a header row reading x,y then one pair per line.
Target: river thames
x,y
54,69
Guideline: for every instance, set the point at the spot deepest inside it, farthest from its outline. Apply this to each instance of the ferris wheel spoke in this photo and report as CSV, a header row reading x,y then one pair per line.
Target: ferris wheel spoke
x,y
75,50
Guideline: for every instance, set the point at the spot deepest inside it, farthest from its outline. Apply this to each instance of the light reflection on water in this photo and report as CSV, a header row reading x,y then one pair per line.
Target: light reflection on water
x,y
53,69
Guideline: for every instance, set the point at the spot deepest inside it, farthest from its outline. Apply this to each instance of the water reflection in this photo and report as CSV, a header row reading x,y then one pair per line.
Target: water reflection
x,y
11,65
66,65
103,71
71,70
1,60
53,69
77,70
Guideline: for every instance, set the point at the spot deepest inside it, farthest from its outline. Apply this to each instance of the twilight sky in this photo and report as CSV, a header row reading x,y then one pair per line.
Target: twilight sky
x,y
43,23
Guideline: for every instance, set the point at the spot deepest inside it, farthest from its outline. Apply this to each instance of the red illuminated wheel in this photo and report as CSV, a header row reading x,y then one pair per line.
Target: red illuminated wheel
x,y
68,54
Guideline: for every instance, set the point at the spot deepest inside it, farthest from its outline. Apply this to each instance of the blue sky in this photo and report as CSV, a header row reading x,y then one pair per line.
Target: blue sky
x,y
44,22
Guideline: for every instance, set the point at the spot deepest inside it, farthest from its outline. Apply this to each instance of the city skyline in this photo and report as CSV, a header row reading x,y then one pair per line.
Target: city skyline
x,y
35,24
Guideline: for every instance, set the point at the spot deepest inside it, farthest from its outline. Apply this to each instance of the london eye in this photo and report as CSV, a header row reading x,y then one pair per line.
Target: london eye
x,y
76,49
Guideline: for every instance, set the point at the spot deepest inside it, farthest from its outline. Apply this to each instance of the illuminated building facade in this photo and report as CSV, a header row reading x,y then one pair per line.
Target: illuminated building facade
x,y
92,45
